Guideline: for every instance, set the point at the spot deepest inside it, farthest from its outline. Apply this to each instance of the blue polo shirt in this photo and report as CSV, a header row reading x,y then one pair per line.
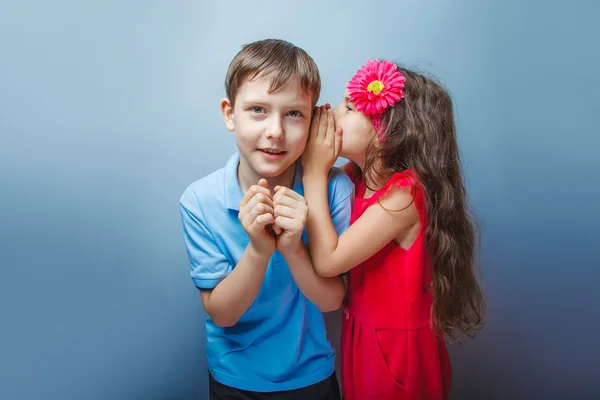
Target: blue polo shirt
x,y
280,343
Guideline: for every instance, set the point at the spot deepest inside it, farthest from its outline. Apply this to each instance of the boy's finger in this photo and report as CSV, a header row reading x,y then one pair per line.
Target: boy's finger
x,y
262,189
288,202
256,211
259,198
284,211
288,224
287,192
246,198
264,220
252,191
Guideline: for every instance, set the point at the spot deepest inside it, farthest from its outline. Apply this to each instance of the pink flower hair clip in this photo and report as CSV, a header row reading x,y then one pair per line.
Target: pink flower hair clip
x,y
376,86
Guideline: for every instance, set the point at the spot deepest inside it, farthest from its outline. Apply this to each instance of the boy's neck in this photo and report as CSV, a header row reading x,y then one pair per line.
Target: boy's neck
x,y
248,177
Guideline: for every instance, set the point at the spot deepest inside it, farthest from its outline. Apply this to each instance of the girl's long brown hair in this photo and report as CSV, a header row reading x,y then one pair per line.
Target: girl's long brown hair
x,y
420,135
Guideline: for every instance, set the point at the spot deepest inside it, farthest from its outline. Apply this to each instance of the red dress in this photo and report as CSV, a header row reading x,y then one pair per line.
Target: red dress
x,y
388,349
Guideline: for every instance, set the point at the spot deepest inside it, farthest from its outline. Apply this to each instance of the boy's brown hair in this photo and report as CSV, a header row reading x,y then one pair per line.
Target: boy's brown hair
x,y
281,61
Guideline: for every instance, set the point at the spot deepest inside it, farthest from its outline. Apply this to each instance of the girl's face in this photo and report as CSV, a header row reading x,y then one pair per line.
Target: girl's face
x,y
358,131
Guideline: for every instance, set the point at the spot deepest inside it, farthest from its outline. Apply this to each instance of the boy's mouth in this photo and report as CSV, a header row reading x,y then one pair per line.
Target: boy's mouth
x,y
274,152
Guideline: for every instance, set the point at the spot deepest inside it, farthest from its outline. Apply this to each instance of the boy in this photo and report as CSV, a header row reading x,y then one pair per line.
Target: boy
x,y
244,232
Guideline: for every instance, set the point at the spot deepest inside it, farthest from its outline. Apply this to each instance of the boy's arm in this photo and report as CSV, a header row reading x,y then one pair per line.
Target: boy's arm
x,y
327,293
228,292
234,295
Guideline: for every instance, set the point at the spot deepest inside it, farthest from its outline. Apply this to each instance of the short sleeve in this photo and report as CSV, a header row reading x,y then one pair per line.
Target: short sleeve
x,y
208,263
405,179
341,191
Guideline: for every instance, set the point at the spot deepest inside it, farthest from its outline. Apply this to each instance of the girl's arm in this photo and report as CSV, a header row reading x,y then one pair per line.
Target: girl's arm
x,y
371,232
376,228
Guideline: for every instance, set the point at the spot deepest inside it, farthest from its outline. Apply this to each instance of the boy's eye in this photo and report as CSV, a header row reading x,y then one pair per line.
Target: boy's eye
x,y
295,114
257,109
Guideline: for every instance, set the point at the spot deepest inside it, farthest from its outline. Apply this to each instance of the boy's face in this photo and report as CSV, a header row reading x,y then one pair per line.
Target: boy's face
x,y
271,129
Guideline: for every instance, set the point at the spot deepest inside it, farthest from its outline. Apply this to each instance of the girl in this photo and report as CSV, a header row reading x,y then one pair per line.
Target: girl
x,y
410,250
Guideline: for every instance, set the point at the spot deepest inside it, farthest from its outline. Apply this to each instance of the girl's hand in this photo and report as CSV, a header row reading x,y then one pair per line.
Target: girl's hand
x,y
323,145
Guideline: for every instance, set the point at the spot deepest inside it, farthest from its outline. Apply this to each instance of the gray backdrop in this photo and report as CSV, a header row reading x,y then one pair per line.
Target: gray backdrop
x,y
108,110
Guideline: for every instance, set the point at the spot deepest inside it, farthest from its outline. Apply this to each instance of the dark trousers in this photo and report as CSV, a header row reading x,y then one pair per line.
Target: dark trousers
x,y
327,389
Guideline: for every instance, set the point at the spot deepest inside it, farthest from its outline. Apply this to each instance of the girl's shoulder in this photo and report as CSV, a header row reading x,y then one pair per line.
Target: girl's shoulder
x,y
406,178
401,187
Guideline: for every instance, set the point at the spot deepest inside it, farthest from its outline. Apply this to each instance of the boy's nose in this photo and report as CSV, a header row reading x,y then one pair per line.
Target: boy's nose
x,y
275,130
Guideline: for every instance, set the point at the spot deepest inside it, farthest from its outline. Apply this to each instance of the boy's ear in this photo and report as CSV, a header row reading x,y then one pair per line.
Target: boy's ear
x,y
227,112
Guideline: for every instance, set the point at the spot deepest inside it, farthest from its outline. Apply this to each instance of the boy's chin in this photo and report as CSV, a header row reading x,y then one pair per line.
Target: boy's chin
x,y
271,170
